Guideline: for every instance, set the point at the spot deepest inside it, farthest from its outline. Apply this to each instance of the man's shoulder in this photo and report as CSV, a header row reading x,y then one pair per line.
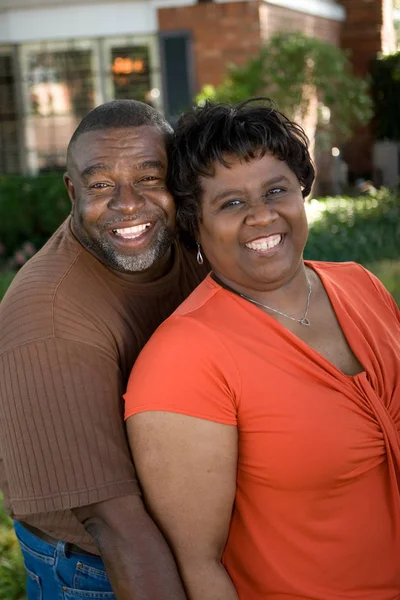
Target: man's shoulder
x,y
46,268
30,306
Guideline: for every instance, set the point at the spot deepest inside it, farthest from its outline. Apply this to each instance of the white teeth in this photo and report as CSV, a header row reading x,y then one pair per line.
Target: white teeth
x,y
265,243
131,232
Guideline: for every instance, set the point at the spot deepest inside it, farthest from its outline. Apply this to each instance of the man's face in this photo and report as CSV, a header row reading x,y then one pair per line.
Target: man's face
x,y
122,212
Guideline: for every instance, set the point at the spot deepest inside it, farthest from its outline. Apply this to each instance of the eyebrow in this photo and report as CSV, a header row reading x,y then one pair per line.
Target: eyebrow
x,y
150,164
267,183
93,169
101,168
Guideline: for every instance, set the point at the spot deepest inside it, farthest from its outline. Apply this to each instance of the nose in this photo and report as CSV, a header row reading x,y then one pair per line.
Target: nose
x,y
127,199
261,214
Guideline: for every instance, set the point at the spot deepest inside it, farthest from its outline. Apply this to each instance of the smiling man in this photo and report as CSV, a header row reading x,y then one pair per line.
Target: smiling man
x,y
73,322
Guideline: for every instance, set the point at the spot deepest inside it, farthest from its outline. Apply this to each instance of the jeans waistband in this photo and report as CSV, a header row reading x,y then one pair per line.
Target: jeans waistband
x,y
53,541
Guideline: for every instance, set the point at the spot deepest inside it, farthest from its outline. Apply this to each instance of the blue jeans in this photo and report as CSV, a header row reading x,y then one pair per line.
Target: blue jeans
x,y
55,573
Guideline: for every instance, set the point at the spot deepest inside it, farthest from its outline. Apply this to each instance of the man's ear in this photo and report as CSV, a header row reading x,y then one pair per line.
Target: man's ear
x,y
70,189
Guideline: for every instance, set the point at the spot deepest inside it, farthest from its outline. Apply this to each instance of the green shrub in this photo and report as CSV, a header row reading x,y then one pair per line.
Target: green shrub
x,y
289,68
5,280
365,229
388,271
12,572
31,209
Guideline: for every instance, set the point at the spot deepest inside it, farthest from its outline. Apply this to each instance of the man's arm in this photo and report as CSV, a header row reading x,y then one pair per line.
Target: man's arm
x,y
72,453
187,467
137,558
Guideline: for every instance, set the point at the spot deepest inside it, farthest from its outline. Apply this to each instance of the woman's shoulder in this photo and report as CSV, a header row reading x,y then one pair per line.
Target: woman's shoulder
x,y
335,267
341,271
355,280
187,348
190,329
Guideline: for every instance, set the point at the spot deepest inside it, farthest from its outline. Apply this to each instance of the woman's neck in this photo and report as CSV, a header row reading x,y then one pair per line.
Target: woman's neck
x,y
287,296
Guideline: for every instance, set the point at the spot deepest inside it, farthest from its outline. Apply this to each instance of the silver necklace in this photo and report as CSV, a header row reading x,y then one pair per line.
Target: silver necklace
x,y
303,321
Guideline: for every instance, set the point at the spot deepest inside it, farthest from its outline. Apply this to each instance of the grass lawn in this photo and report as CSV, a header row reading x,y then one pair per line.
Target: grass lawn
x,y
388,271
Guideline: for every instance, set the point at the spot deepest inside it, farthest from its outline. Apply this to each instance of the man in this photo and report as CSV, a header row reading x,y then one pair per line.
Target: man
x,y
72,324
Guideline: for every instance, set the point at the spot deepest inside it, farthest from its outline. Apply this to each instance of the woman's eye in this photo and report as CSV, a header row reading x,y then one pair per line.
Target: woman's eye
x,y
274,191
231,203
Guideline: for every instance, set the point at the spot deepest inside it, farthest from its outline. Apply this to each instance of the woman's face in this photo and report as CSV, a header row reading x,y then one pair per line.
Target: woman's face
x,y
253,226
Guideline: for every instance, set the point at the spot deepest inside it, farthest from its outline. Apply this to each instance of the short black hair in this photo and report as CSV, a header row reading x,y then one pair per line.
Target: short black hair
x,y
203,135
120,114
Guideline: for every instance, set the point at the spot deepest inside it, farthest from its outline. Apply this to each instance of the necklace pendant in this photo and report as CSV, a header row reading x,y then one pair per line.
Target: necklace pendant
x,y
304,321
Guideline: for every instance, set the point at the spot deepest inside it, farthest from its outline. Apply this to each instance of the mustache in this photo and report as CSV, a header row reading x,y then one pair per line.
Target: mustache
x,y
136,217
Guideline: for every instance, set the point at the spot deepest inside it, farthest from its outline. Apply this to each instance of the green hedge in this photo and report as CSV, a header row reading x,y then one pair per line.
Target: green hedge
x,y
365,229
12,572
31,209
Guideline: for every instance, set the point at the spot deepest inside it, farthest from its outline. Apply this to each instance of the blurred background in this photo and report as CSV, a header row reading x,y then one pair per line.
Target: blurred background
x,y
334,66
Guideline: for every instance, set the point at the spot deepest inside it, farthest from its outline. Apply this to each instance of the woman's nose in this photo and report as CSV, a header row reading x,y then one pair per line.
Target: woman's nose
x,y
261,215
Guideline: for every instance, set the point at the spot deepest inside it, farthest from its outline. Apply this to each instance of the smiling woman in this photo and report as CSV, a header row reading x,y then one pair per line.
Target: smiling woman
x,y
248,216
266,410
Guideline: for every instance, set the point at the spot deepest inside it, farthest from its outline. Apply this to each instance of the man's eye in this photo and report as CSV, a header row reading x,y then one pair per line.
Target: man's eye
x,y
231,203
99,186
151,179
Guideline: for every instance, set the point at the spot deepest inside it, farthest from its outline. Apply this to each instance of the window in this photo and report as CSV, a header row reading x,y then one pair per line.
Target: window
x,y
62,81
59,88
131,72
9,130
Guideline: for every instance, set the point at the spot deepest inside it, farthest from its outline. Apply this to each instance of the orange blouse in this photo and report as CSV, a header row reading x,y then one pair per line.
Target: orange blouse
x,y
317,507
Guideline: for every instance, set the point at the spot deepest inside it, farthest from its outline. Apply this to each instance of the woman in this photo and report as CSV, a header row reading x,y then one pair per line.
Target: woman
x,y
264,415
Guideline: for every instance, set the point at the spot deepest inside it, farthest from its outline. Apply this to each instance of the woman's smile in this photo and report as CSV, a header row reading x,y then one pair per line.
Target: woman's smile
x,y
266,245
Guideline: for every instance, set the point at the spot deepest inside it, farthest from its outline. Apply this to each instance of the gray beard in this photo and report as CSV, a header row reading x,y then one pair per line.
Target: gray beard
x,y
132,263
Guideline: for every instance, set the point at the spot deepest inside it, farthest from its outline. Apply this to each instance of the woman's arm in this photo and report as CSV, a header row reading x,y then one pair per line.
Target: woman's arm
x,y
187,467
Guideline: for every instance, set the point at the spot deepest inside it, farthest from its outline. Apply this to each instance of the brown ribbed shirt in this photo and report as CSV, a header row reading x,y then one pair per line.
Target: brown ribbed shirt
x,y
71,330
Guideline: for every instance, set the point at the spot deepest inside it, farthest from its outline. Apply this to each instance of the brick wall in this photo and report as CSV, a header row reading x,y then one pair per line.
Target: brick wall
x,y
221,33
367,31
276,18
230,32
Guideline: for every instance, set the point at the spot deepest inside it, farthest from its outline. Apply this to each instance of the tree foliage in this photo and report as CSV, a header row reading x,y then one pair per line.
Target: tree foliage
x,y
288,69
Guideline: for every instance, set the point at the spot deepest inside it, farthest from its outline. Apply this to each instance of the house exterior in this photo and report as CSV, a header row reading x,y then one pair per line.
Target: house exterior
x,y
60,59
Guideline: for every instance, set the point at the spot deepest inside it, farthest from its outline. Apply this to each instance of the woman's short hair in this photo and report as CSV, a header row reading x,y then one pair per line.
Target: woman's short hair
x,y
249,129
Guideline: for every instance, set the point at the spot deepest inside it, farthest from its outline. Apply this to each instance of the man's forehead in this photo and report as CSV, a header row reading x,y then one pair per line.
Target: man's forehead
x,y
121,135
144,142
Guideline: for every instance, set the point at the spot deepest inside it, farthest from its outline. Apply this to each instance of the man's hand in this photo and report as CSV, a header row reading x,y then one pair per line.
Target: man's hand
x,y
137,558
